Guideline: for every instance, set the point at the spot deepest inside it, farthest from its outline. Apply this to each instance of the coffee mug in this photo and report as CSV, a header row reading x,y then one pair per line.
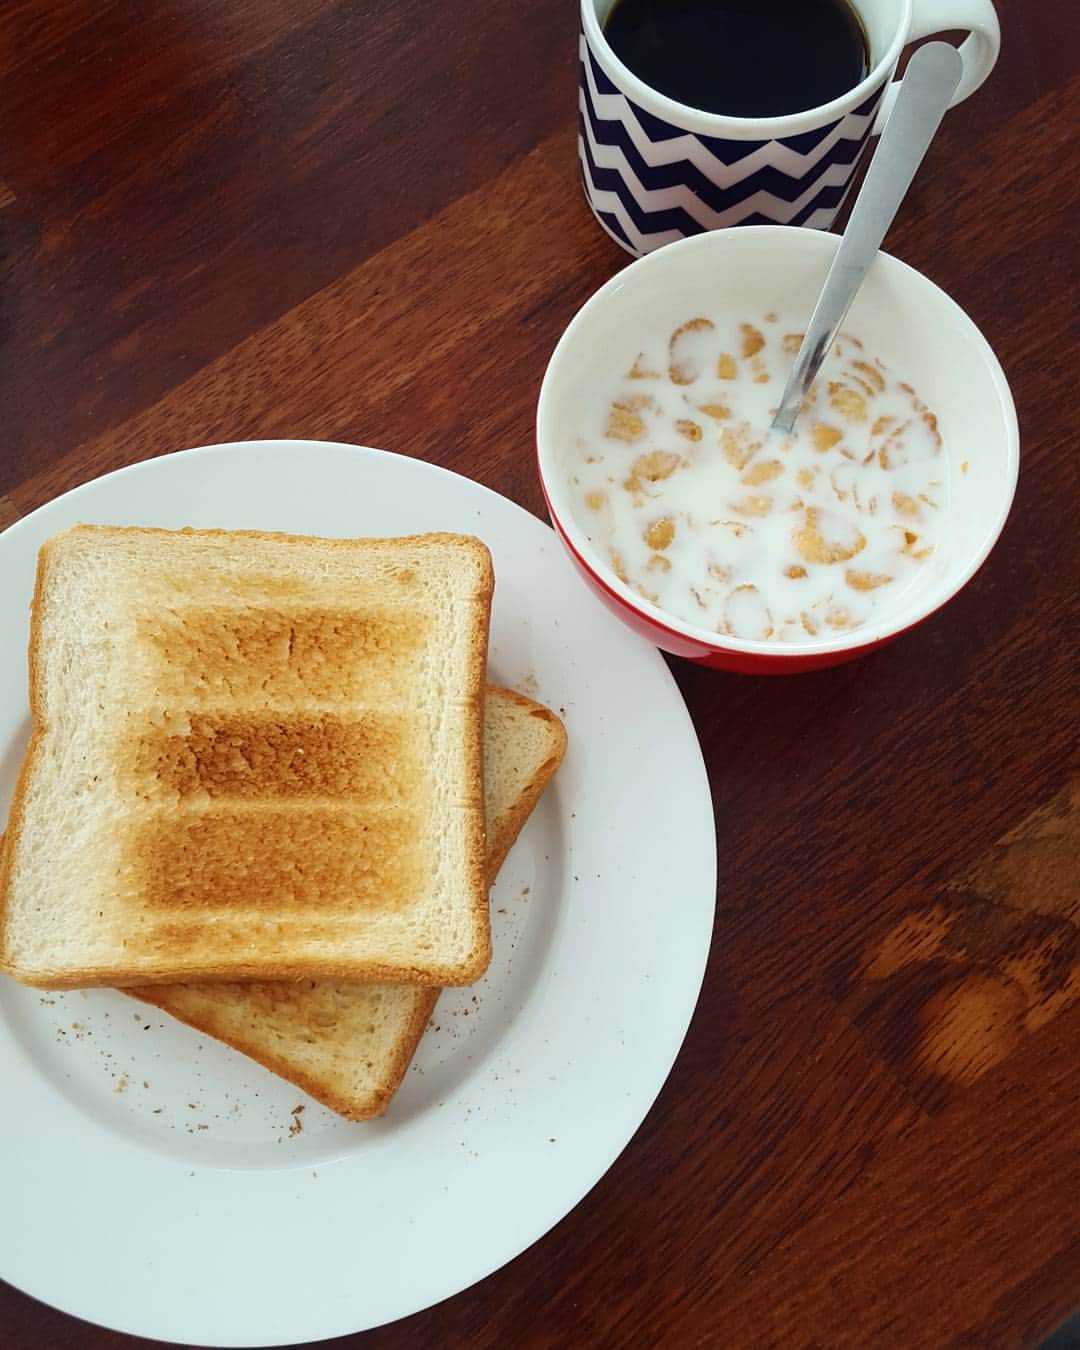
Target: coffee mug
x,y
655,170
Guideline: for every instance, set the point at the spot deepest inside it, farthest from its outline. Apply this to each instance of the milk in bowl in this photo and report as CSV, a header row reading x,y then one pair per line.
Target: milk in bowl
x,y
682,489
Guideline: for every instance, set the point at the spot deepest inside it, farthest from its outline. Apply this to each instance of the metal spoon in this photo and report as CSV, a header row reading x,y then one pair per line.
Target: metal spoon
x,y
925,91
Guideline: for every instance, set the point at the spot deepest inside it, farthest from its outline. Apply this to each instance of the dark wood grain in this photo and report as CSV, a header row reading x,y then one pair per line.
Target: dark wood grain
x,y
360,220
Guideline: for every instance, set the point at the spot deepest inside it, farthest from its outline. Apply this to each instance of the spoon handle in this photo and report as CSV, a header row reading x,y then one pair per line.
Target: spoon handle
x,y
928,84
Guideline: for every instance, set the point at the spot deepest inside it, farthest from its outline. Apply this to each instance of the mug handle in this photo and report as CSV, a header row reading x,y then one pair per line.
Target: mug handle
x,y
978,51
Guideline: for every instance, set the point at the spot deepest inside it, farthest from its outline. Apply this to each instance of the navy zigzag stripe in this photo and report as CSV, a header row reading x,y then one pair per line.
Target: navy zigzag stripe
x,y
729,152
645,222
675,218
612,222
827,199
608,217
768,178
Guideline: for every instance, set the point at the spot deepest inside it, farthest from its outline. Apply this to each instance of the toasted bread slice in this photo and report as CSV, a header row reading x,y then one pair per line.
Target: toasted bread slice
x,y
348,1045
254,756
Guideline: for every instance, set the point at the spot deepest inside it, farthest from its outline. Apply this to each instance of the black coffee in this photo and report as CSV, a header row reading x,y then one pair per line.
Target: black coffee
x,y
743,58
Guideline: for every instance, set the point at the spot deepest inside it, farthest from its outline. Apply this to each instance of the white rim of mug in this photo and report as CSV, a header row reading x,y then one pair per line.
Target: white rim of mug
x,y
738,128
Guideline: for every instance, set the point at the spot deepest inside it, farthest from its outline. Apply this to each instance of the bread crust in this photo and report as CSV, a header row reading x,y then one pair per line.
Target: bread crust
x,y
501,840
479,877
13,833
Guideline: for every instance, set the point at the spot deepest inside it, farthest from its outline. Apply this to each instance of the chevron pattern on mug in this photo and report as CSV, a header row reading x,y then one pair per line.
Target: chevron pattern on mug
x,y
650,183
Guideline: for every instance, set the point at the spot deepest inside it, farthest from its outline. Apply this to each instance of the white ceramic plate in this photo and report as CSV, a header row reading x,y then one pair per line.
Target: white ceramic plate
x,y
158,1183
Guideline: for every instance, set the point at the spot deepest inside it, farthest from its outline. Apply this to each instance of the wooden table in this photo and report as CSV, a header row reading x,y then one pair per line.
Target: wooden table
x,y
360,220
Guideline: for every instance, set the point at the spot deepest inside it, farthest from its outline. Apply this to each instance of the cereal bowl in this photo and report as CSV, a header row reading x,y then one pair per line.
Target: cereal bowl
x,y
641,437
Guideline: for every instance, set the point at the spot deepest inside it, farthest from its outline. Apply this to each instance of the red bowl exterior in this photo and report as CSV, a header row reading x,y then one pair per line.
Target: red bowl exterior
x,y
715,655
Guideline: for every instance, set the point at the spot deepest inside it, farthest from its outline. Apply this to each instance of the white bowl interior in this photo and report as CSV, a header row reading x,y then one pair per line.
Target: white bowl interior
x,y
901,316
